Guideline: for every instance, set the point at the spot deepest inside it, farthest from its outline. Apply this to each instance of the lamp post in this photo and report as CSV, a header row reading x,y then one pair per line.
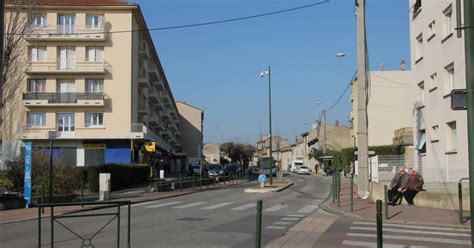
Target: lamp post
x,y
262,74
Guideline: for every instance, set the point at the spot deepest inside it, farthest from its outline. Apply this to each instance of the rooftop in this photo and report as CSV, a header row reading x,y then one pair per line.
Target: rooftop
x,y
73,2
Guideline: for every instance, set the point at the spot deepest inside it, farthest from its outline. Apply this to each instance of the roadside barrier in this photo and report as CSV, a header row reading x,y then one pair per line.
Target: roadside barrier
x,y
461,211
258,236
385,196
379,224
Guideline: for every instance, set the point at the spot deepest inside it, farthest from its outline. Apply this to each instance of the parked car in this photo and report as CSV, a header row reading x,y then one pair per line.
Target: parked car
x,y
302,170
266,170
228,168
215,170
294,164
200,170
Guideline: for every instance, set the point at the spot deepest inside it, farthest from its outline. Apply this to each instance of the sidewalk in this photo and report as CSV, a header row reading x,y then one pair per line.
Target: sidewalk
x,y
396,214
15,215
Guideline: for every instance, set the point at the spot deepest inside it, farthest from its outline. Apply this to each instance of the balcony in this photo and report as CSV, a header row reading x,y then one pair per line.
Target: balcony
x,y
143,108
153,96
74,99
79,67
143,52
159,85
66,33
154,119
153,73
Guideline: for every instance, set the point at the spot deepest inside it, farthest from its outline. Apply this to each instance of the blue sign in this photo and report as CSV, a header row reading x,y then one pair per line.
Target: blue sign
x,y
27,185
262,178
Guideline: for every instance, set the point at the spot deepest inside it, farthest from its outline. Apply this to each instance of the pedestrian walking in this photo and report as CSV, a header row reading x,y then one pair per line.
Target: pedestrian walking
x,y
399,181
414,185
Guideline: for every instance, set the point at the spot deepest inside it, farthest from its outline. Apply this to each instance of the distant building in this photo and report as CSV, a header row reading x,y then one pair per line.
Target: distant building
x,y
438,66
212,153
263,148
191,129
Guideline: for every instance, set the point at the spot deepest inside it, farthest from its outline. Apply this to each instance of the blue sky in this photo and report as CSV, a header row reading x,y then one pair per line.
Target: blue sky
x,y
217,67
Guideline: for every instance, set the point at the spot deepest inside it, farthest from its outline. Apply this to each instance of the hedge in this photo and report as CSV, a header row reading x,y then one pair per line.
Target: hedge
x,y
342,159
121,175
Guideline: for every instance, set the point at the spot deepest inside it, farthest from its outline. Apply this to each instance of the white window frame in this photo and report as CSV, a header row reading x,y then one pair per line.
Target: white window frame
x,y
451,136
68,122
448,28
435,133
421,92
450,80
431,30
66,57
37,53
94,53
36,85
94,21
94,85
94,119
40,21
419,47
433,81
421,141
36,119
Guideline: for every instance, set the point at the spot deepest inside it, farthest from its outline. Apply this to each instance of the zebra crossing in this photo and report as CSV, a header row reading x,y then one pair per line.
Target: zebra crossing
x,y
363,234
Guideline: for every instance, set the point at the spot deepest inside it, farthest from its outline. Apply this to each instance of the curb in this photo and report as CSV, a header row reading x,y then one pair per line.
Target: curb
x,y
279,189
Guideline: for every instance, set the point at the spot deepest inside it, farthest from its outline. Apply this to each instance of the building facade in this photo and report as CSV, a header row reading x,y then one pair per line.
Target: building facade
x,y
212,153
100,94
438,65
390,105
191,129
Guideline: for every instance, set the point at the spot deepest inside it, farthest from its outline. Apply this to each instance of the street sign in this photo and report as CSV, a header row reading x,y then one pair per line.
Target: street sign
x,y
370,152
150,146
262,178
52,135
27,185
459,99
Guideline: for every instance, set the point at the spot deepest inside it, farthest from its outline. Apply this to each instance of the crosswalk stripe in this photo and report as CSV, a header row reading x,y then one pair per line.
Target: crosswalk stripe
x,y
412,231
143,203
275,208
373,244
296,215
190,205
284,223
276,227
308,209
164,204
290,219
416,227
218,205
415,238
246,206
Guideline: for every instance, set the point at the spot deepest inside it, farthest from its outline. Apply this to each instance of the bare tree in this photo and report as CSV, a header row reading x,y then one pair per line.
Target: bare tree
x,y
18,18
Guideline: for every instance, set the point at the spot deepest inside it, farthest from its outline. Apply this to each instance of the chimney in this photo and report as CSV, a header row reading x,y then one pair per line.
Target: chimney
x,y
382,66
403,65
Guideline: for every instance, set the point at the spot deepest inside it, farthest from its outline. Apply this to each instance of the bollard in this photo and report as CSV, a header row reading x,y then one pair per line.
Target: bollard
x,y
461,213
338,191
82,193
379,224
129,242
352,192
385,196
180,184
42,197
193,183
258,235
333,188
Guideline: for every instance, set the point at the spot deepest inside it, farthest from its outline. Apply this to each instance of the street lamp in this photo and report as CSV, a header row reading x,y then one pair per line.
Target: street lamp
x,y
262,74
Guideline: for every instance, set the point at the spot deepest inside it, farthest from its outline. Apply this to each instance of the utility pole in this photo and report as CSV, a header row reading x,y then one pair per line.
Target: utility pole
x,y
2,32
270,122
325,133
362,135
469,53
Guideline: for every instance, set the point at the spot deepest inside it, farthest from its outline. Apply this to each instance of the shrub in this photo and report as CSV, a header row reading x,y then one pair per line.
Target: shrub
x,y
121,175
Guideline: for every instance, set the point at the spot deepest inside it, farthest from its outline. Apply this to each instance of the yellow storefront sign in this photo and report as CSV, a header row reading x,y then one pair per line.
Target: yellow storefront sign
x,y
94,146
150,146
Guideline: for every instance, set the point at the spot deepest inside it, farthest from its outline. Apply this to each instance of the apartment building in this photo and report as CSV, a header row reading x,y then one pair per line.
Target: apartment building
x,y
211,153
95,86
191,129
438,66
390,104
263,148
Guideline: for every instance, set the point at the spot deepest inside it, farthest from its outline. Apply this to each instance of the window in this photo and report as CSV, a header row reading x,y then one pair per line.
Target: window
x,y
448,21
94,21
94,85
36,85
416,8
419,47
435,133
66,86
37,53
66,24
431,30
94,119
449,79
40,21
433,81
451,139
421,93
65,122
421,145
66,58
36,119
95,53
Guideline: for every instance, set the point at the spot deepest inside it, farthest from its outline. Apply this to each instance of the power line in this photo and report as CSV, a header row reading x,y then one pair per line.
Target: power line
x,y
342,95
214,22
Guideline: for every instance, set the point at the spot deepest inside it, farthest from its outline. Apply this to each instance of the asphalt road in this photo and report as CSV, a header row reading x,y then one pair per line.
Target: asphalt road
x,y
215,218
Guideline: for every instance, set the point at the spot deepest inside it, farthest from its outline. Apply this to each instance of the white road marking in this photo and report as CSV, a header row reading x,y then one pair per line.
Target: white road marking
x,y
275,208
296,215
308,209
276,227
283,223
164,204
416,227
246,206
144,203
415,238
218,205
190,205
373,244
412,231
290,219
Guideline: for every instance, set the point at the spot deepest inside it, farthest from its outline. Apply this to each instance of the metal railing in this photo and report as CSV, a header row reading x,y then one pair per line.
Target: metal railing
x,y
67,30
61,65
59,97
86,241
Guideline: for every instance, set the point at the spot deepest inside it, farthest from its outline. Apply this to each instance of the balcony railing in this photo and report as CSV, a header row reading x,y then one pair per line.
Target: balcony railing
x,y
59,97
67,32
68,67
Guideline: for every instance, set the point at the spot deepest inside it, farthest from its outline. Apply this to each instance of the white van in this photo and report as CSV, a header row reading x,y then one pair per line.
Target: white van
x,y
294,164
